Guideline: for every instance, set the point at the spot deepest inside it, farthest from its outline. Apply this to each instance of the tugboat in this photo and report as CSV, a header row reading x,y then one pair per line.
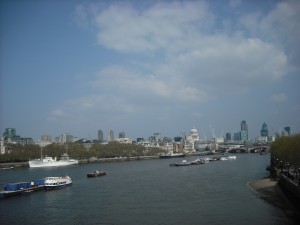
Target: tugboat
x,y
96,173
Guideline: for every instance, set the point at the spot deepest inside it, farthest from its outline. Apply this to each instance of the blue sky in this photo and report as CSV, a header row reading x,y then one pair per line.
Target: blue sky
x,y
149,66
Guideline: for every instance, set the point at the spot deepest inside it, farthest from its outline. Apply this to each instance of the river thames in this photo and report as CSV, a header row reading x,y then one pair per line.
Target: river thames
x,y
146,192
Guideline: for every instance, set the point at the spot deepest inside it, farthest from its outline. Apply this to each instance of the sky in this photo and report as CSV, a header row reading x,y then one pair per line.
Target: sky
x,y
149,66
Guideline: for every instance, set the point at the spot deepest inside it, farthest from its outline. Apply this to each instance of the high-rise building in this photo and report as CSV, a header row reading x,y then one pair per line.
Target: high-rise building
x,y
228,136
100,136
264,132
9,132
244,131
244,126
244,135
287,131
10,135
237,136
111,136
122,134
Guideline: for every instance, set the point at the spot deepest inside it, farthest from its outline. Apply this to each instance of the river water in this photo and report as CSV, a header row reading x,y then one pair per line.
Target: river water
x,y
146,192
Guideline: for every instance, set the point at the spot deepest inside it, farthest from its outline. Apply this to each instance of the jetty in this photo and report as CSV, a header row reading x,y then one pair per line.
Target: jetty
x,y
19,188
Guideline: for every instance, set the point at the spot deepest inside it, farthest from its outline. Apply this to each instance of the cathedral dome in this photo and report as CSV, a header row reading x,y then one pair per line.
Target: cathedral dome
x,y
194,133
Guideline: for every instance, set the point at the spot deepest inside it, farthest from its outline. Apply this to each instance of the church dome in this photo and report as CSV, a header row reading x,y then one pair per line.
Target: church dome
x,y
194,133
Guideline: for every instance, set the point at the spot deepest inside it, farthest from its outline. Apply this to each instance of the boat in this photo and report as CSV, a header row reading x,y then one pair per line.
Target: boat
x,y
96,173
215,158
198,161
7,168
232,157
19,188
171,155
223,158
57,182
52,162
183,163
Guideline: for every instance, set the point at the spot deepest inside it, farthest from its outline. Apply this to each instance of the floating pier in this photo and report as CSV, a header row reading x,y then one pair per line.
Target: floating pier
x,y
20,188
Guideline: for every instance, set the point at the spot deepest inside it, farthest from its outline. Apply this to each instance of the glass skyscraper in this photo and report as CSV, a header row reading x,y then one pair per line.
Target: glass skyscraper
x,y
264,132
244,131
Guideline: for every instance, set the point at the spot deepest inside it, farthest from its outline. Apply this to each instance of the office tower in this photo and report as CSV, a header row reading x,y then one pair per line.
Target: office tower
x,y
111,136
122,134
237,136
244,126
228,136
264,132
100,135
10,135
286,131
244,131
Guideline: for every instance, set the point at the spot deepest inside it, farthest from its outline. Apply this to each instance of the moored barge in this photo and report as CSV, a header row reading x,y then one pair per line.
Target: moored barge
x,y
18,188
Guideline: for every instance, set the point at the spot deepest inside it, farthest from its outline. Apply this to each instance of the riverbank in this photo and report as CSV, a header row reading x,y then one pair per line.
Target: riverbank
x,y
270,191
83,161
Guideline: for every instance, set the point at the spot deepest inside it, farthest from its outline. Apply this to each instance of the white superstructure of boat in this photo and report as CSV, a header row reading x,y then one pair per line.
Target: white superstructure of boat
x,y
57,182
50,162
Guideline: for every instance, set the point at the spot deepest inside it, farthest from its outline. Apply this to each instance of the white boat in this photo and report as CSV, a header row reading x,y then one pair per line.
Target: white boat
x,y
224,158
50,162
232,157
57,182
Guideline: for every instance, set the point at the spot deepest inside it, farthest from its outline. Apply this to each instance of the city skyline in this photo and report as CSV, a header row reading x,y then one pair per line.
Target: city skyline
x,y
149,66
237,135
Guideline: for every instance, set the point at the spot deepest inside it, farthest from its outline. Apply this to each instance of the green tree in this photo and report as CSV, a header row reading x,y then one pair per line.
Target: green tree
x,y
287,149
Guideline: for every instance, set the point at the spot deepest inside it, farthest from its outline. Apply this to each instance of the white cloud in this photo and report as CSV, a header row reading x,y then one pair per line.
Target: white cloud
x,y
280,26
172,55
279,97
58,113
179,30
162,26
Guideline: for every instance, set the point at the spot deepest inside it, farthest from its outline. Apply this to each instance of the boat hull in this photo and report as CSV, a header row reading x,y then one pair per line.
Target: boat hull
x,y
57,186
168,156
37,164
96,174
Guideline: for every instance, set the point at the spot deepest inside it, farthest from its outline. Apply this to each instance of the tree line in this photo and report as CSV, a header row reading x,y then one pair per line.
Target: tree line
x,y
23,153
287,149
